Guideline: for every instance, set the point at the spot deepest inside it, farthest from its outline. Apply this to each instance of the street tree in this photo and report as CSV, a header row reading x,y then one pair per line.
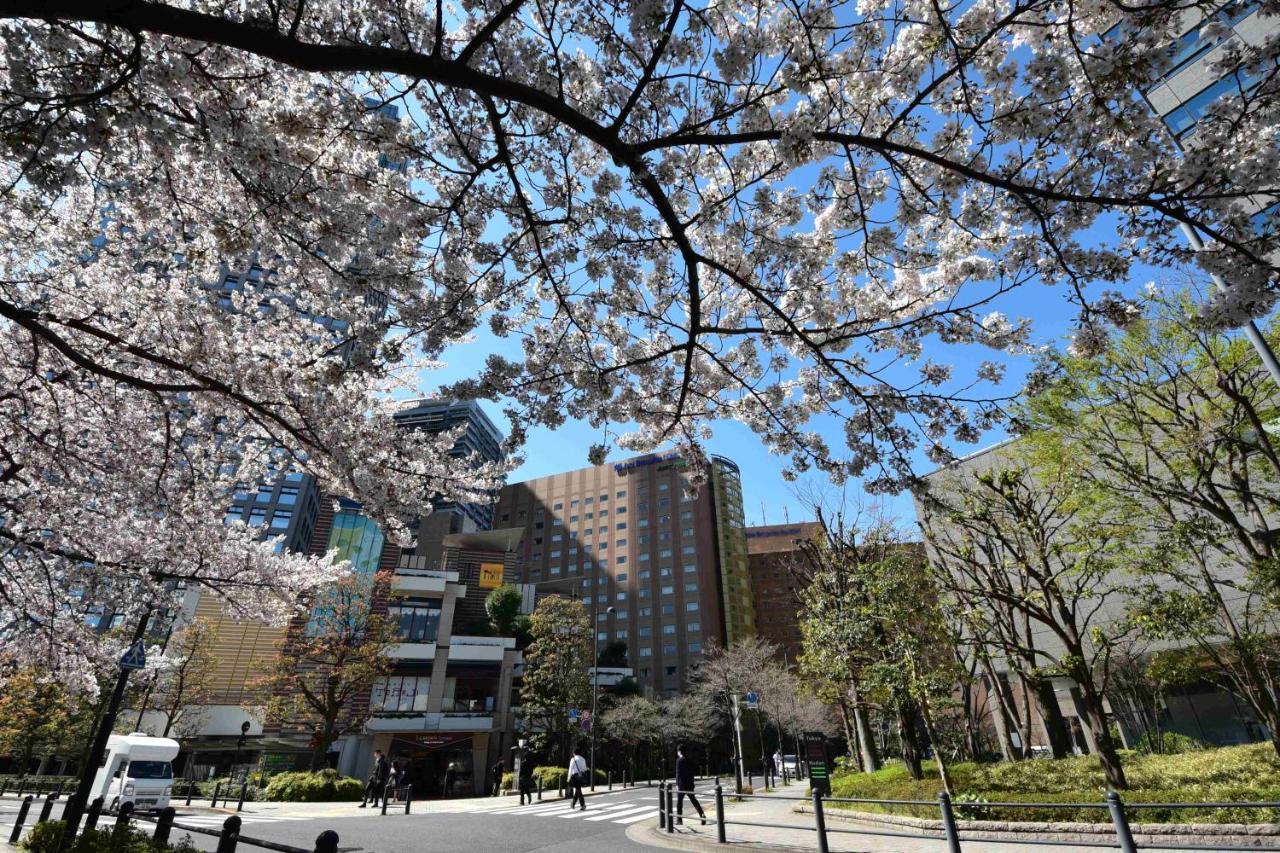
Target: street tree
x,y
34,708
666,214
631,723
557,677
502,605
726,675
1173,422
332,656
1038,552
182,684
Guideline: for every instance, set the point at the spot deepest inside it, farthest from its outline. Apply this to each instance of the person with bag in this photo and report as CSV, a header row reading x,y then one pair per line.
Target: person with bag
x,y
577,776
684,787
376,789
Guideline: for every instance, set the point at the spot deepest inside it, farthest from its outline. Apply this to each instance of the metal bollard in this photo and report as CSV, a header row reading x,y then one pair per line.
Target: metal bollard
x,y
671,808
4,785
327,842
191,787
386,795
21,819
662,806
22,784
95,812
539,789
1123,835
217,789
164,823
47,808
820,822
408,797
949,822
230,835
610,775
244,789
719,813
123,816
751,779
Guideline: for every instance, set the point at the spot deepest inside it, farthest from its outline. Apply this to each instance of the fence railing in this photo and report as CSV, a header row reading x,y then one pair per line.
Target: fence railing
x,y
952,832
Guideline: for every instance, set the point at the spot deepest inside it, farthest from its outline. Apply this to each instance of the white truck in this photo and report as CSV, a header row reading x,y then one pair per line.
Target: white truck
x,y
137,769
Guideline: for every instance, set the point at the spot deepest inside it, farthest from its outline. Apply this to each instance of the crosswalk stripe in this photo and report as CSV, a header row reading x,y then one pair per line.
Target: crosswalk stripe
x,y
612,809
544,807
622,812
647,816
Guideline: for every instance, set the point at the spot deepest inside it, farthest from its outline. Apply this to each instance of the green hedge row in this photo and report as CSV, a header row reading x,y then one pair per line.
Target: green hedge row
x,y
324,786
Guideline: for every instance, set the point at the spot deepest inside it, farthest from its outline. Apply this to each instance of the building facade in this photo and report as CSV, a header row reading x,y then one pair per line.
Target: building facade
x,y
772,551
626,535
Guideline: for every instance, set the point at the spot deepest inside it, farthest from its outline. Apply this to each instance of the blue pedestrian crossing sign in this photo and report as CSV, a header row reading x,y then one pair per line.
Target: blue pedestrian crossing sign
x,y
753,700
135,657
574,714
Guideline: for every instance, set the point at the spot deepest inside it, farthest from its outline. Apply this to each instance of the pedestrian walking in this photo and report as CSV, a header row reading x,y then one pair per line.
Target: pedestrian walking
x,y
526,779
577,775
377,784
450,777
684,787
497,770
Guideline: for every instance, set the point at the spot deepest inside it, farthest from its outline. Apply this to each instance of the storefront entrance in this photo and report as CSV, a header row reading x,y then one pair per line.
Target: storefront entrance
x,y
428,759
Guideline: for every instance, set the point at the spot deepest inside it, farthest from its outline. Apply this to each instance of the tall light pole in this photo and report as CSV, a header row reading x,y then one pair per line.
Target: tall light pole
x,y
595,680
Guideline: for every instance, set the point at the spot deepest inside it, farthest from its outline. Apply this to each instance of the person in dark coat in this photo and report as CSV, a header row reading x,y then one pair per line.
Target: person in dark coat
x,y
526,779
684,787
377,786
450,777
497,770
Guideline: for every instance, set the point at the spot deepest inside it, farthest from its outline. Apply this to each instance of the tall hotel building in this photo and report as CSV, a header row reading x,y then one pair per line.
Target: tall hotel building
x,y
627,536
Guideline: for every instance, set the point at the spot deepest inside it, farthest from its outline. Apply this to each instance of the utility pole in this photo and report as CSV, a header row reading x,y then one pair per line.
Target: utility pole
x,y
595,681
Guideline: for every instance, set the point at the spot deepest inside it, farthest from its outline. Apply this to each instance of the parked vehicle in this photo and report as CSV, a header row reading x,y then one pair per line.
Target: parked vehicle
x,y
137,769
791,764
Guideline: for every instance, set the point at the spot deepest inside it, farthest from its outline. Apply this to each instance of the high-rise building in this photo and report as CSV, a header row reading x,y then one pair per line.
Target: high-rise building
x,y
627,535
772,552
480,442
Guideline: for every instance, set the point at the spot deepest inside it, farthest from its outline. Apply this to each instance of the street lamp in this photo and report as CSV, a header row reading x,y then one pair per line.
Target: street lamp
x,y
595,682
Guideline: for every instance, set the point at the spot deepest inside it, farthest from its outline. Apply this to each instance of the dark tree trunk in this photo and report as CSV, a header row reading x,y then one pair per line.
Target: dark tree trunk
x,y
1055,725
866,738
909,737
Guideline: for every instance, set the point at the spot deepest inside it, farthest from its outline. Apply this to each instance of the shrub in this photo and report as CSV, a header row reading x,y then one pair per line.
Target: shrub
x,y
46,837
508,781
1229,774
324,786
553,777
1169,743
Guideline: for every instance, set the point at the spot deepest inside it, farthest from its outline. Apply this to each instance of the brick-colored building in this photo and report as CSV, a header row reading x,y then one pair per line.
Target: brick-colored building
x,y
626,535
772,549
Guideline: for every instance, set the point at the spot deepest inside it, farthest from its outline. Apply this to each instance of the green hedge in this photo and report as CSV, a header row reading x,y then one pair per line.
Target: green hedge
x,y
554,776
45,838
1229,774
324,786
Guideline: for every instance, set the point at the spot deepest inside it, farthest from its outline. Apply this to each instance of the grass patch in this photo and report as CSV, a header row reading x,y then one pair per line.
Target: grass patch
x,y
1230,774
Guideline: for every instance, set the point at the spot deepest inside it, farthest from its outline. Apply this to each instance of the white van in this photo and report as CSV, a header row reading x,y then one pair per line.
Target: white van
x,y
137,769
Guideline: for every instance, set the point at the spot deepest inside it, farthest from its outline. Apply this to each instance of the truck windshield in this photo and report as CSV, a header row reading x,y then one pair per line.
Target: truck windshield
x,y
150,770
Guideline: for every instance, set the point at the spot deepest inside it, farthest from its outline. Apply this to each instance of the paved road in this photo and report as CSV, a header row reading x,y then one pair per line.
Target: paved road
x,y
474,826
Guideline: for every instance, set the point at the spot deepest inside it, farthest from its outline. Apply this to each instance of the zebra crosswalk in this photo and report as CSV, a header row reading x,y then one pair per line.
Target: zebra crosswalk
x,y
623,808
215,821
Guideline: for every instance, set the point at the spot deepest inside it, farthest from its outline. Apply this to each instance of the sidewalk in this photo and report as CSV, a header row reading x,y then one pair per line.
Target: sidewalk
x,y
795,831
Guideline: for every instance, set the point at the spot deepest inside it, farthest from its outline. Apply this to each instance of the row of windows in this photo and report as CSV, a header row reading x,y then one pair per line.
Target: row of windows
x,y
669,649
257,516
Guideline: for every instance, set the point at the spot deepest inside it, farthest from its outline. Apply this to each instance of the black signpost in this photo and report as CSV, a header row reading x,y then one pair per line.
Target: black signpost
x,y
815,753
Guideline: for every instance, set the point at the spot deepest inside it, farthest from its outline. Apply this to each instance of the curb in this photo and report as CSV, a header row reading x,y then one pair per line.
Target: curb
x,y
652,836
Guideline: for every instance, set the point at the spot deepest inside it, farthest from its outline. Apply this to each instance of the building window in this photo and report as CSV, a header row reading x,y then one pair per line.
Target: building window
x,y
621,560
586,599
686,515
665,553
621,614
646,612
669,649
233,514
645,574
257,516
691,607
695,648
555,555
288,495
558,506
646,631
621,494
587,516
620,634
622,576
693,627
555,570
264,494
573,504
622,510
644,522
668,590
415,623
643,556
664,487
557,538
668,629
589,501
687,550
573,519
280,520
646,652
668,609
621,596
602,636
671,670
687,533
400,693
644,593
621,543
692,586
690,567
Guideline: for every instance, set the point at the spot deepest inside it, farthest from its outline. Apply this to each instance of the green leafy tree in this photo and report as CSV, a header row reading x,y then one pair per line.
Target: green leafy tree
x,y
33,711
329,662
503,608
1175,424
557,672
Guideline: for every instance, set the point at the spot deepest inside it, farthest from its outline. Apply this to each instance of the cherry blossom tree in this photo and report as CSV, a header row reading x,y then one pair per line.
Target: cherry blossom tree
x,y
669,213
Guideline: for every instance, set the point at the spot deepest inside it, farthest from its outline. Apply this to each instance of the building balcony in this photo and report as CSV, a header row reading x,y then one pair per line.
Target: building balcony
x,y
406,721
463,648
412,651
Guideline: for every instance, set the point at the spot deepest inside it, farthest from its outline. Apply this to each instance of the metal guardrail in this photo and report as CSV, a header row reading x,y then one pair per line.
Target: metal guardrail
x,y
951,832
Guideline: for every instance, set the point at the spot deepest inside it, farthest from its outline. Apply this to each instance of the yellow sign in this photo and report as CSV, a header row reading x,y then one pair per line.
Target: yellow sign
x,y
490,575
